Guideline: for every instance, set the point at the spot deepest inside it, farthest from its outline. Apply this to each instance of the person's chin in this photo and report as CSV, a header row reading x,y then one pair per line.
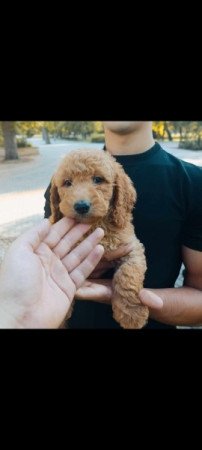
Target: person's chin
x,y
121,127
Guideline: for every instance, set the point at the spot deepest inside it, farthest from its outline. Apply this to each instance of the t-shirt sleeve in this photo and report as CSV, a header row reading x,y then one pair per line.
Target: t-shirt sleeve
x,y
47,208
192,232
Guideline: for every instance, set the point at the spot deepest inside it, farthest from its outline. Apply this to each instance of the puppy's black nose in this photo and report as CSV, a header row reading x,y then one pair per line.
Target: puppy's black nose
x,y
82,207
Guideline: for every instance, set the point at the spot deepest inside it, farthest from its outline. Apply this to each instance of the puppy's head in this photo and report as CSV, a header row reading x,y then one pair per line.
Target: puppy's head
x,y
90,185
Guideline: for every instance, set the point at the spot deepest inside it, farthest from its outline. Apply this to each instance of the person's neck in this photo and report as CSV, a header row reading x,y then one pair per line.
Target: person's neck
x,y
128,144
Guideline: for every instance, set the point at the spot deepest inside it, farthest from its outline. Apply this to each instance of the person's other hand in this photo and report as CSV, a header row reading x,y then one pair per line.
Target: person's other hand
x,y
100,290
41,273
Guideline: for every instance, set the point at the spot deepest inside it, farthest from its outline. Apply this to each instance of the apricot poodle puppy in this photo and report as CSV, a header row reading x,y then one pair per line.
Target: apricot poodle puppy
x,y
90,186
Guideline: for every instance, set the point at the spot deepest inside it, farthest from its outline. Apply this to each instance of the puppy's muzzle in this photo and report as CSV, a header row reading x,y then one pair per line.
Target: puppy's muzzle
x,y
82,207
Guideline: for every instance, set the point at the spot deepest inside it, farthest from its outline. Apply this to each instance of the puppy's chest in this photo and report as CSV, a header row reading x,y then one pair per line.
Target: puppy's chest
x,y
113,237
110,243
111,240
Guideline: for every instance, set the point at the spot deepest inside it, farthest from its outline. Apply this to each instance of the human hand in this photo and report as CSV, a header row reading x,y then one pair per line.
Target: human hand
x,y
101,291
41,273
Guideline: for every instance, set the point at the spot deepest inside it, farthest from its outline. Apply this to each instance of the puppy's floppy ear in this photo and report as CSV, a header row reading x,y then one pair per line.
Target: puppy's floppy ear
x,y
124,198
54,203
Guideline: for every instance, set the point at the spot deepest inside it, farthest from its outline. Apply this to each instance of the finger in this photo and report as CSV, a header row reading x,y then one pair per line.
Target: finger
x,y
100,292
74,258
70,239
123,250
148,298
83,271
35,235
61,278
58,230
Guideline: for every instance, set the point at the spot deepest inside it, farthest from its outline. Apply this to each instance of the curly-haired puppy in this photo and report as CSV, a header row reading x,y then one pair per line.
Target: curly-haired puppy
x,y
91,187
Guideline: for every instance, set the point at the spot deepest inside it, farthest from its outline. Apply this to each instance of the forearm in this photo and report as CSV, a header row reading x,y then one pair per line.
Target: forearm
x,y
181,306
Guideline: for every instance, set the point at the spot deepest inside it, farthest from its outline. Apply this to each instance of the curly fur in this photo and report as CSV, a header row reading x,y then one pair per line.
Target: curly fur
x,y
112,203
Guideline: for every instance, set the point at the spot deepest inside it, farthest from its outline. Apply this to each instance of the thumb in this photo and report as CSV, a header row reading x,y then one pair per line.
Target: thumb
x,y
150,299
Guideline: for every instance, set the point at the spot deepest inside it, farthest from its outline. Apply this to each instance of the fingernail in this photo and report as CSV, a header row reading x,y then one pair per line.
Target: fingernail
x,y
99,232
150,299
99,249
87,225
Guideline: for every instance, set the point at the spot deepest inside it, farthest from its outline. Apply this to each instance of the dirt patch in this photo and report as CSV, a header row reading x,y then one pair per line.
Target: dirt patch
x,y
25,155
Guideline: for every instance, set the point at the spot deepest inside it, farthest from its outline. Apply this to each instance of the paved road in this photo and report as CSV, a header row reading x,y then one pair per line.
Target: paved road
x,y
194,157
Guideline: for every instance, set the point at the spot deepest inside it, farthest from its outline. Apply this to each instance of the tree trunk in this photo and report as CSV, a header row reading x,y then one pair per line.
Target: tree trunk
x,y
8,129
168,131
45,135
180,133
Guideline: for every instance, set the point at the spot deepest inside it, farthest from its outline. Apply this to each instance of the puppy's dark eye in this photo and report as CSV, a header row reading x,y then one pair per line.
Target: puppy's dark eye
x,y
98,180
67,183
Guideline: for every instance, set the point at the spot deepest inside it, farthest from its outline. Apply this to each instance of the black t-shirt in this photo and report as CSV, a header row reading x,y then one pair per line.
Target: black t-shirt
x,y
167,215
